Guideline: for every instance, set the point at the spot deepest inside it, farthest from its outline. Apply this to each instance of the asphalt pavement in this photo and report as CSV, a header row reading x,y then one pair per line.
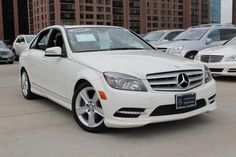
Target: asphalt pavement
x,y
42,128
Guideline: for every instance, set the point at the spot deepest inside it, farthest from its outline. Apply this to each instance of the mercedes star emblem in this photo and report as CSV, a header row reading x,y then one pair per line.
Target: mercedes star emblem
x,y
183,80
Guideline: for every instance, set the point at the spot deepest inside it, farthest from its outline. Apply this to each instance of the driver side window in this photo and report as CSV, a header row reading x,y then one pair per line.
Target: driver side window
x,y
56,40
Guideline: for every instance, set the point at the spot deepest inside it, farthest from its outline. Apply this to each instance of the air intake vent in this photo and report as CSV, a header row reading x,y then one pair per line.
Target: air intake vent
x,y
212,99
171,109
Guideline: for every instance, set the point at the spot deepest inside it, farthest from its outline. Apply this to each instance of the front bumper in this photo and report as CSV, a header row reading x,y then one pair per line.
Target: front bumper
x,y
150,100
222,68
6,59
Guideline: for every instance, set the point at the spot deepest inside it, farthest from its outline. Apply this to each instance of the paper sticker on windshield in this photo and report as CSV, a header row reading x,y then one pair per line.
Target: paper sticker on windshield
x,y
79,30
85,37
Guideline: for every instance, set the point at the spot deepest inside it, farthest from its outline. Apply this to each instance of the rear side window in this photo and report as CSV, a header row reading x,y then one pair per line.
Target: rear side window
x,y
227,34
214,35
20,39
172,35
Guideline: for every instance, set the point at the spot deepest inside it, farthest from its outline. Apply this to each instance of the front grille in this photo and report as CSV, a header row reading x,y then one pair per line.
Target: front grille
x,y
167,81
171,109
2,53
232,70
162,49
216,69
211,58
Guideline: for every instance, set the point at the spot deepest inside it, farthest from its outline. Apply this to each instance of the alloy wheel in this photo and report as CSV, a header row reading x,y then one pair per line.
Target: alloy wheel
x,y
88,108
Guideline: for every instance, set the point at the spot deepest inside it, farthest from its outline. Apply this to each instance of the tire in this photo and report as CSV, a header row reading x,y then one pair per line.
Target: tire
x,y
17,58
26,86
87,110
191,55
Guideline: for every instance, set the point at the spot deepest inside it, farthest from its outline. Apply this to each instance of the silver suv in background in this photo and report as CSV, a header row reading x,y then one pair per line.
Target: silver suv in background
x,y
195,39
21,43
161,36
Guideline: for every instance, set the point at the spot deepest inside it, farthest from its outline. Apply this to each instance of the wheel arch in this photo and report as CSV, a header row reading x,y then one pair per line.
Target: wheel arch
x,y
79,82
193,51
22,69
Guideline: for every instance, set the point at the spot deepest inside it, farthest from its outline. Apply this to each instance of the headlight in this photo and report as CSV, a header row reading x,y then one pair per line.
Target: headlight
x,y
176,50
230,58
207,74
124,82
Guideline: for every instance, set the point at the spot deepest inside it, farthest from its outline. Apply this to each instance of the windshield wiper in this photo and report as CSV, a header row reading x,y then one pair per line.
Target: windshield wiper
x,y
121,48
126,48
182,39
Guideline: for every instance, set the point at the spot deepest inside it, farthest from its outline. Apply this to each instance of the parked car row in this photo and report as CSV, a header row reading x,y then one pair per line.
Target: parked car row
x,y
158,37
221,59
10,54
210,44
21,43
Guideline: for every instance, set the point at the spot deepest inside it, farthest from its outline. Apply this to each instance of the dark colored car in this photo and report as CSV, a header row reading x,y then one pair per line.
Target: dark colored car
x,y
6,55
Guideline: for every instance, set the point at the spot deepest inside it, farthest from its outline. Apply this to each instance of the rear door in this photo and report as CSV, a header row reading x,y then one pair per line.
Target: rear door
x,y
22,45
17,45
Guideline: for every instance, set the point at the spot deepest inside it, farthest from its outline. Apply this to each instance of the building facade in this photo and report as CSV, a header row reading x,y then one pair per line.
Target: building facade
x,y
215,11
13,19
140,16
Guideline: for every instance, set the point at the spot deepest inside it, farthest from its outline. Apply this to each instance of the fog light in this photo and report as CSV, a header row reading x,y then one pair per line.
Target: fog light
x,y
129,112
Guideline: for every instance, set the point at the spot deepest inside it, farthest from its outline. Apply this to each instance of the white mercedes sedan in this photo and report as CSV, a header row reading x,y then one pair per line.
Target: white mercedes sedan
x,y
110,77
221,59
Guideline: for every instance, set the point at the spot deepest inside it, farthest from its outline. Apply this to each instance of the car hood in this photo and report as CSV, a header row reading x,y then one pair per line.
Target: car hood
x,y
4,49
185,43
226,50
137,63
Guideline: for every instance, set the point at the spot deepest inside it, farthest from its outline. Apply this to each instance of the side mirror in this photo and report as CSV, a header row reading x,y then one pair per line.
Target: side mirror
x,y
208,41
54,52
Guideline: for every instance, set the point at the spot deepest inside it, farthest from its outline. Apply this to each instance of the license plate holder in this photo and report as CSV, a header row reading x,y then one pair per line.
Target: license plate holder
x,y
184,101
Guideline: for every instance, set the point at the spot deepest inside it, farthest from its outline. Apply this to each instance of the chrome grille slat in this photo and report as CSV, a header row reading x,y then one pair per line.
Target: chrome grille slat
x,y
195,79
162,83
167,81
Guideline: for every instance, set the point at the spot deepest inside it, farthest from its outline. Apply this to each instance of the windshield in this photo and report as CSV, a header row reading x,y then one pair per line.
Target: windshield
x,y
104,39
231,42
192,34
2,45
29,38
153,36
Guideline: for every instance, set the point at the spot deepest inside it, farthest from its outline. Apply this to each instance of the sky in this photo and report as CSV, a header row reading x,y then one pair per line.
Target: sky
x,y
226,11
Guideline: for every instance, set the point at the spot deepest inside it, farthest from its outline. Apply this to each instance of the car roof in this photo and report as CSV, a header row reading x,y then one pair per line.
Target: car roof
x,y
93,26
214,26
168,30
82,26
